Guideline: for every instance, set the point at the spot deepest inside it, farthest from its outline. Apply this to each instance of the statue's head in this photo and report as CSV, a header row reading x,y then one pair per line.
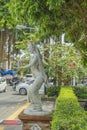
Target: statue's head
x,y
31,47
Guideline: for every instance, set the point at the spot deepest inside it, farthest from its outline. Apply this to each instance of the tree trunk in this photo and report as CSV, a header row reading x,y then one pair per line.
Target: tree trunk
x,y
10,43
46,52
3,35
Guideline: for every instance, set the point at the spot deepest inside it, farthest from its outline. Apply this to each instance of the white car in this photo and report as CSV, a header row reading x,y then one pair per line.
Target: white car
x,y
3,84
28,77
22,88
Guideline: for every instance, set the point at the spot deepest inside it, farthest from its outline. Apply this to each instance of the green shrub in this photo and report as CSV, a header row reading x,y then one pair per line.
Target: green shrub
x,y
52,91
68,114
80,91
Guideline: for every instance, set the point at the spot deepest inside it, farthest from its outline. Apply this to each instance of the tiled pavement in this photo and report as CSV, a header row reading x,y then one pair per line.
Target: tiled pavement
x,y
11,127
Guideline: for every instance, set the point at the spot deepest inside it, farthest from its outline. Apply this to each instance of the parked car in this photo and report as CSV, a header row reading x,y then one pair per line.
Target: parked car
x,y
22,88
3,84
28,77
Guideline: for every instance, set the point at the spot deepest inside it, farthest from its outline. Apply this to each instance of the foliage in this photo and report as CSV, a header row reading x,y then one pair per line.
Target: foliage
x,y
52,18
8,14
68,114
80,91
55,17
64,57
73,16
46,19
52,91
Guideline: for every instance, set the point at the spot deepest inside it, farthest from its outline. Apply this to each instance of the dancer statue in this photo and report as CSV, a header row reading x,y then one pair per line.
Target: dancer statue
x,y
39,75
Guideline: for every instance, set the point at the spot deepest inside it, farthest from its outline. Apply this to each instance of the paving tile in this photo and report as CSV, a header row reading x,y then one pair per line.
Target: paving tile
x,y
13,127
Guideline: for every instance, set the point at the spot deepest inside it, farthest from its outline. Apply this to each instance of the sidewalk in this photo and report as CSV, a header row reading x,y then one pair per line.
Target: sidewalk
x,y
13,127
16,124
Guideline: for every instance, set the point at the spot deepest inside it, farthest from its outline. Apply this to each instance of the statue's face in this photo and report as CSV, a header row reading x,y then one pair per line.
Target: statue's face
x,y
31,49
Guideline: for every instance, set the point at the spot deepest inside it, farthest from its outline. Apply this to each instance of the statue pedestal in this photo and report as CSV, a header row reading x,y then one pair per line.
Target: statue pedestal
x,y
35,122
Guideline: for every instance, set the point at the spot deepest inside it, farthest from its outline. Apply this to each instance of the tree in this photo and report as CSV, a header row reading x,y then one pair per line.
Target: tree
x,y
67,62
49,18
6,32
53,18
73,17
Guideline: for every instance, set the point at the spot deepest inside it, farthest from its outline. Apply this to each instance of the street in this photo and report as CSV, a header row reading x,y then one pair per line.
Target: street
x,y
10,102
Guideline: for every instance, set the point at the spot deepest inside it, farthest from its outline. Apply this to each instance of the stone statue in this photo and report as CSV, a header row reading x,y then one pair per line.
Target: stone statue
x,y
39,75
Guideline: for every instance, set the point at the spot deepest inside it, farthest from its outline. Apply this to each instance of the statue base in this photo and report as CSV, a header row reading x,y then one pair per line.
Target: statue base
x,y
35,122
36,112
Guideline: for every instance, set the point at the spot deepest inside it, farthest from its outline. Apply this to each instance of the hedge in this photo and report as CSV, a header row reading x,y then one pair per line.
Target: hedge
x,y
52,91
80,91
68,115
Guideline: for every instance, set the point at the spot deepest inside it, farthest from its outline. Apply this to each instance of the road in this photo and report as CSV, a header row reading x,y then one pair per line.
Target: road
x,y
11,104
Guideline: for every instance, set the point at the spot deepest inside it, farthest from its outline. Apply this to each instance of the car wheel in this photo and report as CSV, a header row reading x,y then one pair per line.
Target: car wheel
x,y
23,91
